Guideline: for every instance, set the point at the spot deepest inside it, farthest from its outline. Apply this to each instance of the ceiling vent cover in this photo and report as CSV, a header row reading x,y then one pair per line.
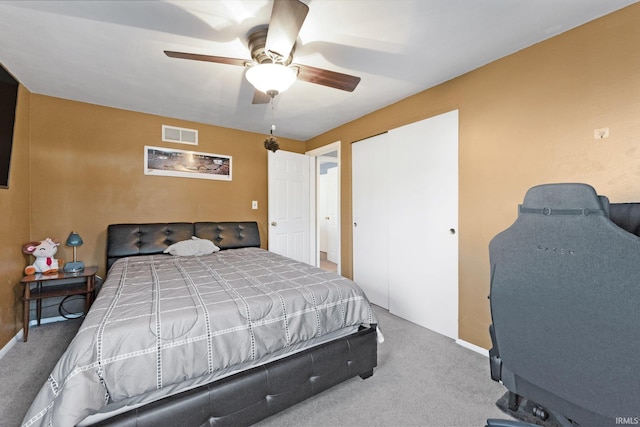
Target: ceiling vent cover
x,y
180,135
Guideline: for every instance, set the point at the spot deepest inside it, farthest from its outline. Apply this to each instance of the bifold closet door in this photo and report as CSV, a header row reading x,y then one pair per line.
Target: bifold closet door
x,y
370,183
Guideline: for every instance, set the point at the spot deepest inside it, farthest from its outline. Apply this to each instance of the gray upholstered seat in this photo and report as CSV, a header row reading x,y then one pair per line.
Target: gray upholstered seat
x,y
565,306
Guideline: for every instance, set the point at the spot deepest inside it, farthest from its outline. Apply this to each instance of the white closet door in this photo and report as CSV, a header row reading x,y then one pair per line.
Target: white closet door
x,y
423,222
370,180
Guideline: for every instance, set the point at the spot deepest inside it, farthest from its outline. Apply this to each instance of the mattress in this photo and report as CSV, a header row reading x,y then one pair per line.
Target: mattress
x,y
162,324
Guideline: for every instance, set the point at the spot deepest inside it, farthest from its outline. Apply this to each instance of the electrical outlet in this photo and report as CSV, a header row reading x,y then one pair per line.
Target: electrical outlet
x,y
601,133
254,204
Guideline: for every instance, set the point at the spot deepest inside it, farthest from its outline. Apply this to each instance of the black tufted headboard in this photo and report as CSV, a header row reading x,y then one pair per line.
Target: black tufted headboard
x,y
125,240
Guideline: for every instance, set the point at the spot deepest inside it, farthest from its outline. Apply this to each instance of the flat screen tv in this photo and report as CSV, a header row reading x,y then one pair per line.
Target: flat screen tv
x,y
8,97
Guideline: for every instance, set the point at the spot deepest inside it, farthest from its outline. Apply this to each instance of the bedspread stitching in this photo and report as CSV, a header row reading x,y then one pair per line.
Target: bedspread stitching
x,y
103,323
206,315
223,282
158,333
284,316
343,313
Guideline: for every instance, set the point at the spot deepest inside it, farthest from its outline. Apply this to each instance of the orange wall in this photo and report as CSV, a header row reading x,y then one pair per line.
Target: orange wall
x,y
526,119
14,226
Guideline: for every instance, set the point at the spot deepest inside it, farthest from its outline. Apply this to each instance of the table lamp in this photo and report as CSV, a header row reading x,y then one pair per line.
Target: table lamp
x,y
74,240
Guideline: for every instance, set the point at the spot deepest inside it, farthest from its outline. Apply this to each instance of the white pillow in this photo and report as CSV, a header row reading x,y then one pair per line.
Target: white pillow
x,y
193,247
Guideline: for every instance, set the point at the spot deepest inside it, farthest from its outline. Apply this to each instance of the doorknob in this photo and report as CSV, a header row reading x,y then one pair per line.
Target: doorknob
x,y
355,224
452,231
273,223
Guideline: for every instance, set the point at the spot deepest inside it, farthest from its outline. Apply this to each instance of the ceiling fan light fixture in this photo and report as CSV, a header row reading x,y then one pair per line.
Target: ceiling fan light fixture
x,y
270,78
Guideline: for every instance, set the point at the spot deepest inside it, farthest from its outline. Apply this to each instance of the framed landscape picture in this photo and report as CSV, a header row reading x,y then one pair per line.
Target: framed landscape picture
x,y
186,164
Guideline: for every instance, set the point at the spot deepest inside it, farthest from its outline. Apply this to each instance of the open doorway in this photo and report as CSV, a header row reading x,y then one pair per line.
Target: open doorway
x,y
327,210
327,180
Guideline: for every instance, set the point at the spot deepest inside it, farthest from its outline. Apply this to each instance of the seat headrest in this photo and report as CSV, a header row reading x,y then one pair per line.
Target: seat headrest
x,y
564,199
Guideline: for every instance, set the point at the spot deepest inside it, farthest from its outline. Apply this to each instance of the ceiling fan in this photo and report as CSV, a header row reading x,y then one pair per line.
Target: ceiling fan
x,y
271,70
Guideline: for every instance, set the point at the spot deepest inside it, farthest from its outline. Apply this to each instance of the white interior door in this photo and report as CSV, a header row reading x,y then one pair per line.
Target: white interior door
x,y
323,215
370,184
333,239
423,223
290,205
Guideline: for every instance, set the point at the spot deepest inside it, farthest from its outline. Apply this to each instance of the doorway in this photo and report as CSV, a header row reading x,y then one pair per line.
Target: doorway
x,y
327,160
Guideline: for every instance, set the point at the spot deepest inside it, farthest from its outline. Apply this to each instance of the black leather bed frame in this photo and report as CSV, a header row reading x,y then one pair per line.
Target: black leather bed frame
x,y
249,396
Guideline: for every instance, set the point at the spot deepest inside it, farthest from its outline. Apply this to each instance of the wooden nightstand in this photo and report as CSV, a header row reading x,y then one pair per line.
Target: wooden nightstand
x,y
46,287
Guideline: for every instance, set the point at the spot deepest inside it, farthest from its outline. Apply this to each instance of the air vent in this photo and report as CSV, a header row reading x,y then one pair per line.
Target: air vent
x,y
180,135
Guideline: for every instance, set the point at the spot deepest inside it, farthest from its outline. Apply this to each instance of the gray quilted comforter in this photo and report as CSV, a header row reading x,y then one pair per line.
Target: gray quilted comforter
x,y
160,320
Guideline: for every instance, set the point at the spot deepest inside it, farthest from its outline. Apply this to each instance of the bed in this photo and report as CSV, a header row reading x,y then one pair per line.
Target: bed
x,y
227,338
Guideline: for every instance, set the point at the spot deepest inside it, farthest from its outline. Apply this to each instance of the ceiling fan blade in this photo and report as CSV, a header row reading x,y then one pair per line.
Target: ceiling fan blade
x,y
260,98
207,58
327,78
287,17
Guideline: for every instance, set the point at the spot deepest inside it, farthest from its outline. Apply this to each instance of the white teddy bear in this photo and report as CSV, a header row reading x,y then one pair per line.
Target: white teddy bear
x,y
43,251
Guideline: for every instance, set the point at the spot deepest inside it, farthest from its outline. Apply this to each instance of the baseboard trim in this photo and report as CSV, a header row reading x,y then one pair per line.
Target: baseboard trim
x,y
46,320
473,347
11,343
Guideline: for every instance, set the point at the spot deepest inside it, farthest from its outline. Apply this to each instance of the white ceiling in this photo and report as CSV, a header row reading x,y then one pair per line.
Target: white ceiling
x,y
111,52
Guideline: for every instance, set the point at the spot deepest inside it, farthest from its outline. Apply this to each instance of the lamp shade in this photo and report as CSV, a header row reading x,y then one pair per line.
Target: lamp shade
x,y
271,79
74,239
